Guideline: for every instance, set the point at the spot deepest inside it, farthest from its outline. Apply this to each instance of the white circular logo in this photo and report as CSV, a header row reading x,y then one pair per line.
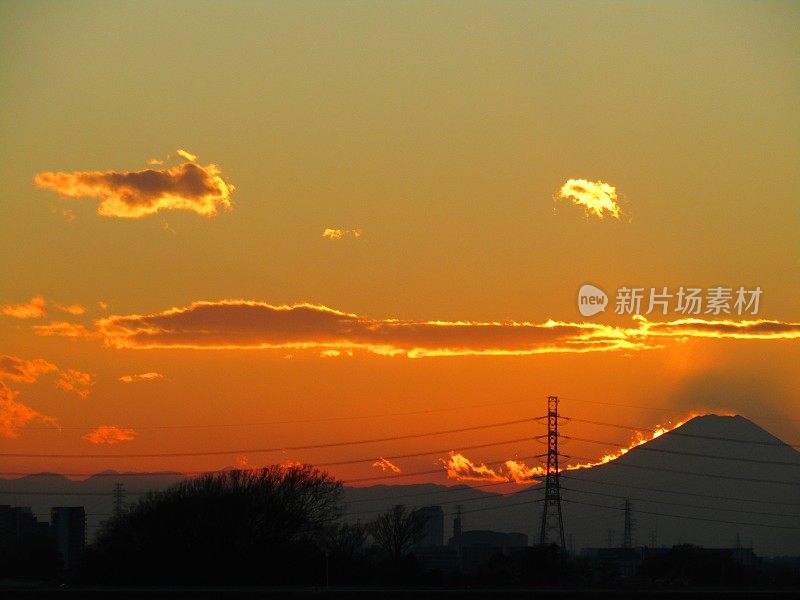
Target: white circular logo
x,y
591,300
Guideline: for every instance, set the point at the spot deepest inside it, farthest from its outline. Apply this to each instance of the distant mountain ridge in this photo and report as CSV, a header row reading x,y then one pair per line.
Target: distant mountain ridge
x,y
707,482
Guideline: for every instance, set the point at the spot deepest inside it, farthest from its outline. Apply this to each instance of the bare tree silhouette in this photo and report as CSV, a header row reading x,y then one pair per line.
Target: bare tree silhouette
x,y
396,530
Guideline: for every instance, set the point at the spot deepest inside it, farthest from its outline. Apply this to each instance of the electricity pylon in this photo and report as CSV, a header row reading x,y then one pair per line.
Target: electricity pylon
x,y
552,519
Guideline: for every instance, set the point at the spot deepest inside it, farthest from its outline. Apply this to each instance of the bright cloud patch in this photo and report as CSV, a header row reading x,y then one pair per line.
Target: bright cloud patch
x,y
64,329
15,415
384,464
597,197
140,377
338,234
461,468
71,309
35,308
77,382
13,368
110,434
136,194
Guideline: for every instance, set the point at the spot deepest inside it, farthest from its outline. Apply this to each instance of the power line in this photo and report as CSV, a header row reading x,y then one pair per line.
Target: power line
x,y
683,505
676,431
683,493
643,446
352,417
327,464
708,519
449,489
680,472
457,501
667,410
277,449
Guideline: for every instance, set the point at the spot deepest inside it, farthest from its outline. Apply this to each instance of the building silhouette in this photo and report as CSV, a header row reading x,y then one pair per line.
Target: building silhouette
x,y
69,528
433,530
16,524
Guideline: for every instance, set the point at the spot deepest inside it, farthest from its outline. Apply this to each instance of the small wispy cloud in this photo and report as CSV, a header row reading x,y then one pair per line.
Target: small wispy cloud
x,y
338,234
35,308
64,329
598,198
70,309
15,415
13,368
385,465
460,468
109,435
136,194
187,155
141,377
76,382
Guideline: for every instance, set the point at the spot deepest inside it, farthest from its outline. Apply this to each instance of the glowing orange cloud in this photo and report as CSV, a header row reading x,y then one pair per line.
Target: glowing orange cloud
x,y
385,464
461,468
110,434
34,309
78,382
13,368
14,415
246,324
232,324
519,472
337,234
187,155
140,377
135,194
71,309
64,329
597,197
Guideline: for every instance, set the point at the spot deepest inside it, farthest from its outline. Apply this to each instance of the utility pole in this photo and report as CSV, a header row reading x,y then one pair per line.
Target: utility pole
x,y
119,499
552,519
627,534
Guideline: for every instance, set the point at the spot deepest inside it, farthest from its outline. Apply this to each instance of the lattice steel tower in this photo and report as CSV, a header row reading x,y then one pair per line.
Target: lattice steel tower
x,y
627,531
552,520
119,499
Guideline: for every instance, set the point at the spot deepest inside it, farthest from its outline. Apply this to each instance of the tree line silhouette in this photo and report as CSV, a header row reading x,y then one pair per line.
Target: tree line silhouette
x,y
283,526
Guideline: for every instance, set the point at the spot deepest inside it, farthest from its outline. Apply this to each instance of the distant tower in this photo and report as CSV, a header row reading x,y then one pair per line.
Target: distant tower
x,y
119,499
457,523
552,518
69,528
627,534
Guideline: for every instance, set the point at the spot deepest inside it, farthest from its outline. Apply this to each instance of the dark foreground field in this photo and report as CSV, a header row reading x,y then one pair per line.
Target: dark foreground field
x,y
377,593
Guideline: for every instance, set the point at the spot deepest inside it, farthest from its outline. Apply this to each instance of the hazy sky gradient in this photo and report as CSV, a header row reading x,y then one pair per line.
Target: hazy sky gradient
x,y
443,131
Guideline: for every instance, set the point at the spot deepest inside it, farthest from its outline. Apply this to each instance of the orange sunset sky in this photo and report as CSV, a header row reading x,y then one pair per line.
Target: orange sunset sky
x,y
234,227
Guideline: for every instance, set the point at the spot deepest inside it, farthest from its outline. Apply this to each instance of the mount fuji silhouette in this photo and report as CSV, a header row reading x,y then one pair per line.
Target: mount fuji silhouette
x,y
712,481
